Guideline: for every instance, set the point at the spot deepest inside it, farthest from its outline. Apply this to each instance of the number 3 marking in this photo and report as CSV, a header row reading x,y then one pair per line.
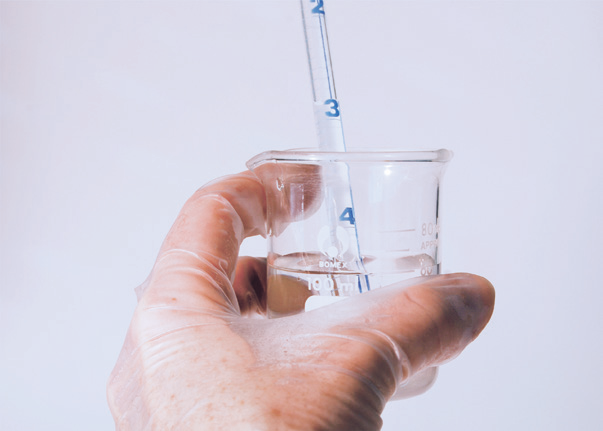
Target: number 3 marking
x,y
334,108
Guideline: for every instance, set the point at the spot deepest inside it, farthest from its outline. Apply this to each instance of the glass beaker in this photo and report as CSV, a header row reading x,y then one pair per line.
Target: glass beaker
x,y
342,223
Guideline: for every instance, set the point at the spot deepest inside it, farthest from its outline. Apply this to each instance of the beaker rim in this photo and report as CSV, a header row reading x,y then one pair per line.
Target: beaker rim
x,y
316,155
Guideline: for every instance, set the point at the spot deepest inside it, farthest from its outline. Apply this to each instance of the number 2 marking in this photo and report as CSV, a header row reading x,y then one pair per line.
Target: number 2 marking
x,y
318,7
334,108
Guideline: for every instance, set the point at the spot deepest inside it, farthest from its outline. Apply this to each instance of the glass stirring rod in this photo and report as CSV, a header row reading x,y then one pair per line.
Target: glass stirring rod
x,y
327,114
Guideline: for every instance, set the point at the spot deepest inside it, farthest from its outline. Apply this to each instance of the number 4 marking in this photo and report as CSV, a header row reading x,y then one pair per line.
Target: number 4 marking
x,y
348,215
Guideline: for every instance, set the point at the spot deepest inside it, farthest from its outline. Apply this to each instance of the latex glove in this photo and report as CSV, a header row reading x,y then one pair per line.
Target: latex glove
x,y
194,359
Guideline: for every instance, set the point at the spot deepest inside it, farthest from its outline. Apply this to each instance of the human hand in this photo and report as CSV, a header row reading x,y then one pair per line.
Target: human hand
x,y
195,358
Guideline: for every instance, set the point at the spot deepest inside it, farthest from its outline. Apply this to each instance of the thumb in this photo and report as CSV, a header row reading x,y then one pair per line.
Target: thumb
x,y
396,332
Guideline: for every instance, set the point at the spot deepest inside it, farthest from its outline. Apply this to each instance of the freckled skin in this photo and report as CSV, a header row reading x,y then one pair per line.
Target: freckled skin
x,y
199,356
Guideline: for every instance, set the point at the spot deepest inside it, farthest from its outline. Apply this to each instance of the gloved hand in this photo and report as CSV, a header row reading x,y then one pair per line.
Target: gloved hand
x,y
195,357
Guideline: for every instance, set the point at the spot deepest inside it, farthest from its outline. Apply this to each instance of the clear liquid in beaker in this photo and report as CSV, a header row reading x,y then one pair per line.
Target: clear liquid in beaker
x,y
294,278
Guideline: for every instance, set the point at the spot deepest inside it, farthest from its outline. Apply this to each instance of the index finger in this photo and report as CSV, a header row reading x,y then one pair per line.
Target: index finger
x,y
216,219
198,257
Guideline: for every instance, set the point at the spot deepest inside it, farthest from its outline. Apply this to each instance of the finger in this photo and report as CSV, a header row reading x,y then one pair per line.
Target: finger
x,y
250,285
198,257
396,332
440,318
293,192
229,208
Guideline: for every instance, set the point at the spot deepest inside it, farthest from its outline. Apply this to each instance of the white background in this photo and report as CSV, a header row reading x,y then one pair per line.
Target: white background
x,y
113,113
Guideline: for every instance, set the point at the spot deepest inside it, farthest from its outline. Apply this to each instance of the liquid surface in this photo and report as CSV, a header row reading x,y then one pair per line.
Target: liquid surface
x,y
293,279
